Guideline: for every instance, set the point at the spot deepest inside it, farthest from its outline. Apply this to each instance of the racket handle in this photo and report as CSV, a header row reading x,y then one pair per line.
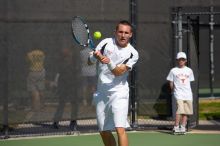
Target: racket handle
x,y
91,44
100,57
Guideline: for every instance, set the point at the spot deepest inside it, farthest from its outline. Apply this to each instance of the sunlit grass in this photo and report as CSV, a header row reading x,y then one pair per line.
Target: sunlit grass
x,y
209,109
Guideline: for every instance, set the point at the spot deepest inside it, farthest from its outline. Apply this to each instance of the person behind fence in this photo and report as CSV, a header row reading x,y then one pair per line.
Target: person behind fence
x,y
36,77
66,83
179,79
89,77
116,57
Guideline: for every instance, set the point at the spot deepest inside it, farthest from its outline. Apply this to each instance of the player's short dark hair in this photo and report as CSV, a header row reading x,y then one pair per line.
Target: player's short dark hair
x,y
124,22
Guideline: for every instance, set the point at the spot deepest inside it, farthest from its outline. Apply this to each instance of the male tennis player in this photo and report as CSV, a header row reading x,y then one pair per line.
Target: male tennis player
x,y
180,78
116,57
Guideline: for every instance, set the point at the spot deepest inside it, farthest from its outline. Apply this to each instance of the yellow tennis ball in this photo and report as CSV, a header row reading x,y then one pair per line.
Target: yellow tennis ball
x,y
97,35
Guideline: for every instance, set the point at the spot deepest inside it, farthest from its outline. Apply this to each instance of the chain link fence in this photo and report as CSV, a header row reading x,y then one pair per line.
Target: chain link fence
x,y
45,84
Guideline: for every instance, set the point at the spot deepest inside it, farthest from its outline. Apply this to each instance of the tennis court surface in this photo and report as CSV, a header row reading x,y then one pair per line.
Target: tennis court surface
x,y
151,138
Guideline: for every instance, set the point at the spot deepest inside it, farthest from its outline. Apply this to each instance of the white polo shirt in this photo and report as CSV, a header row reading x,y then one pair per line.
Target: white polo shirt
x,y
181,77
127,55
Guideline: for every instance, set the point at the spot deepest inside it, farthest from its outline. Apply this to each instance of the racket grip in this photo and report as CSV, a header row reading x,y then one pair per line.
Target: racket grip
x,y
98,55
101,57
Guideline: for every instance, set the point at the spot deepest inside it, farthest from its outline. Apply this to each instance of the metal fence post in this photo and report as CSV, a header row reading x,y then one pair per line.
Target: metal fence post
x,y
211,50
133,20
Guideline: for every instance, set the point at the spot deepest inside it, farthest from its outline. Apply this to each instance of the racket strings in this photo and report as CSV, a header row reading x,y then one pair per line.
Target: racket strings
x,y
80,31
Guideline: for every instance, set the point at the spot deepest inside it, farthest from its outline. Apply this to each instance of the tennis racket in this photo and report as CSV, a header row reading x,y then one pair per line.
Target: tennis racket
x,y
81,33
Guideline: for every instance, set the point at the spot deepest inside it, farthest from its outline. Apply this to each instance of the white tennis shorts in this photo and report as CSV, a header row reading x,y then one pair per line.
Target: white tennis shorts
x,y
111,109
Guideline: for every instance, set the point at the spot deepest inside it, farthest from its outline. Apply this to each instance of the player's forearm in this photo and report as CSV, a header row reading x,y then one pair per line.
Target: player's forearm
x,y
119,70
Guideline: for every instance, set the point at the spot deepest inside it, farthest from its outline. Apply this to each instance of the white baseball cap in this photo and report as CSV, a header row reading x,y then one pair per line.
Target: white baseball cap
x,y
181,55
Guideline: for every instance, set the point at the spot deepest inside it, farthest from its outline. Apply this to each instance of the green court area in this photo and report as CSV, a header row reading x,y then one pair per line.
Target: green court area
x,y
135,139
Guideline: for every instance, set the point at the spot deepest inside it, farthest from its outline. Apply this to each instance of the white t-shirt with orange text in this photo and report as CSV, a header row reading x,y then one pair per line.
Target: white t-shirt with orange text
x,y
181,78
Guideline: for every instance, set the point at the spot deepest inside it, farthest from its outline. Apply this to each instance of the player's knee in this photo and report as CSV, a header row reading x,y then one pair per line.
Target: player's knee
x,y
120,130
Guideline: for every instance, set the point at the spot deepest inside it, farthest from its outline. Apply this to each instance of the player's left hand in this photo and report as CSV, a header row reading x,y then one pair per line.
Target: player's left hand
x,y
101,58
98,55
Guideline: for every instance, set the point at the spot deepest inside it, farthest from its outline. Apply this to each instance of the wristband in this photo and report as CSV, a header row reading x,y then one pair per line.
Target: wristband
x,y
111,65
